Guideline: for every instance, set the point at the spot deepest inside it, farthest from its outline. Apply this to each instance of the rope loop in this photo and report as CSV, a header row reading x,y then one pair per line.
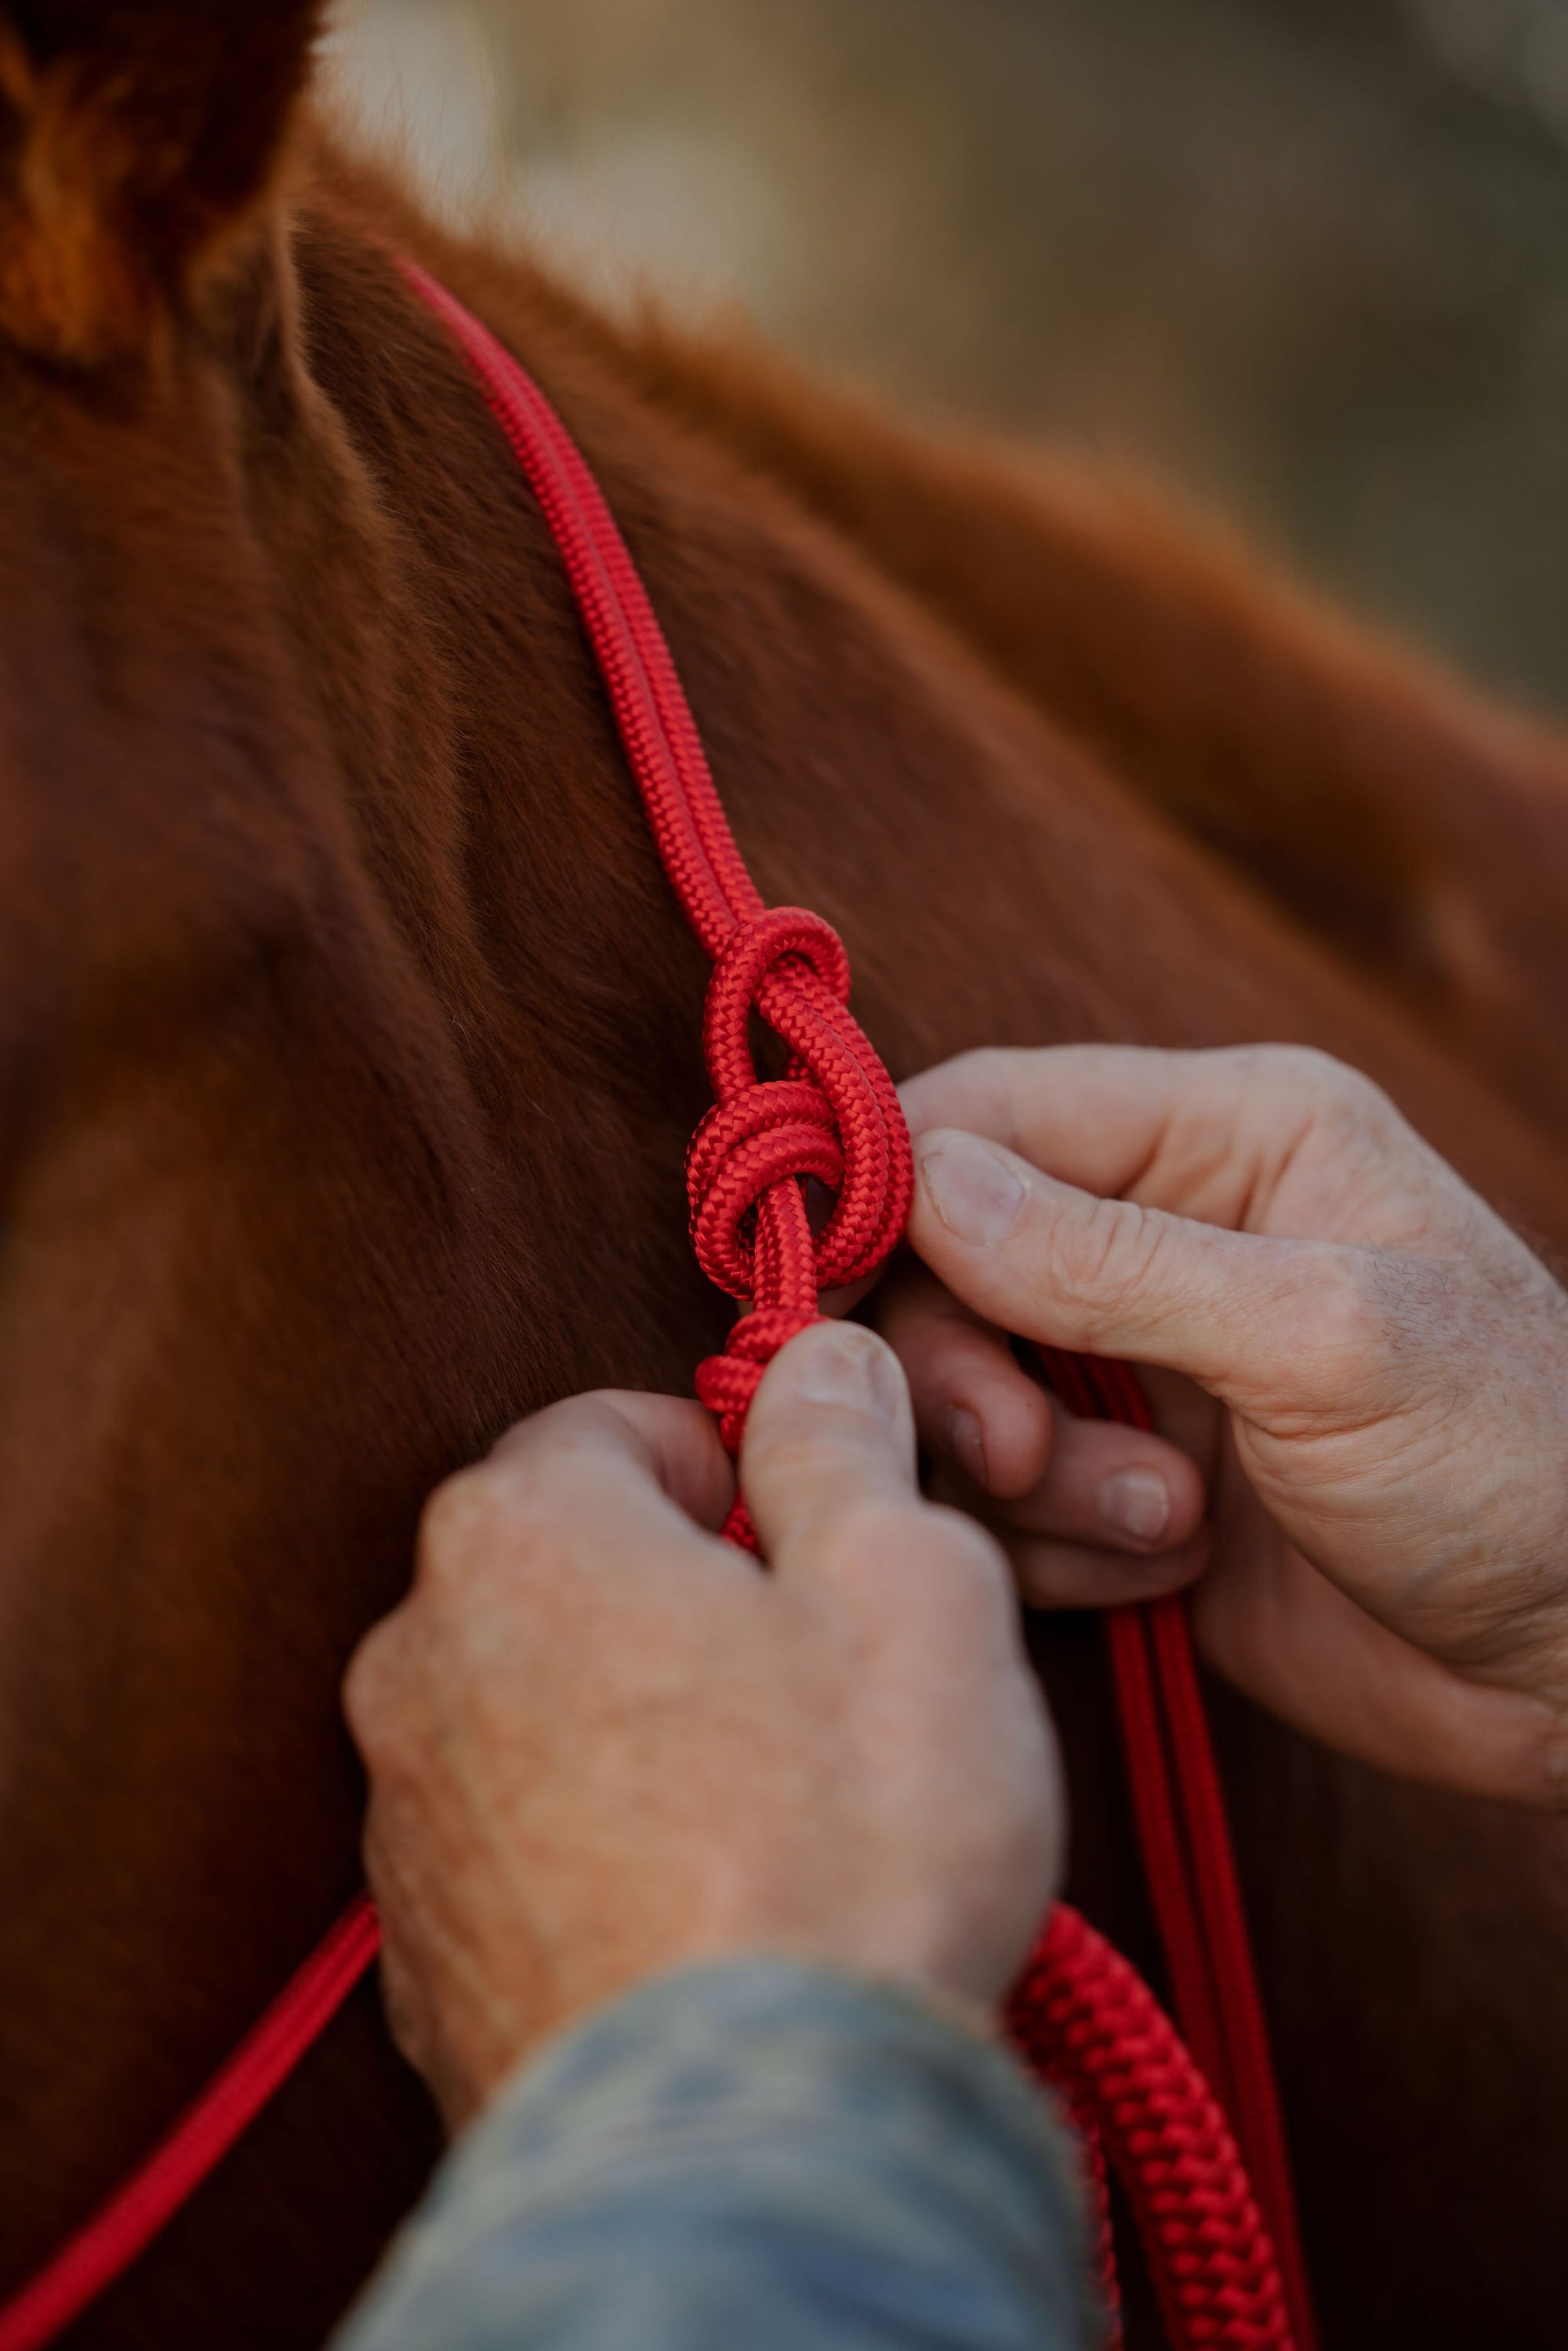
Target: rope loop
x,y
834,1114
1091,2026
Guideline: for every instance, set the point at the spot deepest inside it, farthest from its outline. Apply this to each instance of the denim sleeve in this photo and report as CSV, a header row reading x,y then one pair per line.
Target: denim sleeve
x,y
757,2156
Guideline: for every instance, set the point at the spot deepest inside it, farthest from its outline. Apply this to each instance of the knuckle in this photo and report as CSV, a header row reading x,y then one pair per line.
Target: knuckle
x,y
1085,1248
960,1090
997,1075
371,1688
1337,1098
987,1071
982,1062
1344,1101
1106,1251
1306,1070
450,1515
1365,1310
471,1520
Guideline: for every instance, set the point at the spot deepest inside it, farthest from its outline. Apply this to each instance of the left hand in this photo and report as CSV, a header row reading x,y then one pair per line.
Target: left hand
x,y
1370,1365
602,1744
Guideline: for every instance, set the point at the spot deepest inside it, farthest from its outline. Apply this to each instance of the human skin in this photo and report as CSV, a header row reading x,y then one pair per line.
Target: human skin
x,y
602,1744
1372,1373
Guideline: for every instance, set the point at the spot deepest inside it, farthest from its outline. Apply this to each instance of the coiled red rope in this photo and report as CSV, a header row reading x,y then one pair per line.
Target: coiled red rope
x,y
1223,2274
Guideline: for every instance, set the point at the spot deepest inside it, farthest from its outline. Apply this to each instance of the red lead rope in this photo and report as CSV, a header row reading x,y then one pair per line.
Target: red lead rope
x,y
834,1113
126,2221
1178,1805
1080,2014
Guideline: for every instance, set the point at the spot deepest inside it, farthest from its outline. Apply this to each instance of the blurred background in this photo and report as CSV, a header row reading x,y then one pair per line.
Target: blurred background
x,y
1308,257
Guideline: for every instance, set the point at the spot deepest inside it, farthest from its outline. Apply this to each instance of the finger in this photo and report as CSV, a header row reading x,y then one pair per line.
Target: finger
x,y
630,1438
1051,1575
922,1596
974,1403
1233,1310
831,1430
1091,1481
603,1487
1109,1485
1204,1134
914,1601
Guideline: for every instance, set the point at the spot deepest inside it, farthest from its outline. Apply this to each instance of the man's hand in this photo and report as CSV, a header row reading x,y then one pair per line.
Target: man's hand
x,y
603,1743
1377,1385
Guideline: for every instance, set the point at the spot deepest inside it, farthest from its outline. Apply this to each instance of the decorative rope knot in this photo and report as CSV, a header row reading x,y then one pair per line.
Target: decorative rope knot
x,y
834,1115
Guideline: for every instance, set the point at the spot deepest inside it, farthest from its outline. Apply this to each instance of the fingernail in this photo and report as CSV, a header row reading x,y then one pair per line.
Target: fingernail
x,y
972,1188
1134,1503
966,1443
841,1364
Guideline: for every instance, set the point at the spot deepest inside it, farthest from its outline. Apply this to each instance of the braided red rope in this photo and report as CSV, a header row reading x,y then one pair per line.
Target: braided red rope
x,y
1089,2023
127,2222
834,1114
1080,2012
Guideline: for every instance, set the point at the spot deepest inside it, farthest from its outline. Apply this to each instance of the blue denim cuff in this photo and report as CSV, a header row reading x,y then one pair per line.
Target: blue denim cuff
x,y
762,2147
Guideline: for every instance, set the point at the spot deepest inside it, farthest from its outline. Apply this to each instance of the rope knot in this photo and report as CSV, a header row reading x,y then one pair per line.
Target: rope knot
x,y
834,1114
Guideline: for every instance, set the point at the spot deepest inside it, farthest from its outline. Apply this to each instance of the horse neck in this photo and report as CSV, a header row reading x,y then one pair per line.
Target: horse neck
x,y
424,1173
321,1228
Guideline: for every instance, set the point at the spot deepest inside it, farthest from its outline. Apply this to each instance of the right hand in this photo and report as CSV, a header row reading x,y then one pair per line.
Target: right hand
x,y
601,1744
1373,1373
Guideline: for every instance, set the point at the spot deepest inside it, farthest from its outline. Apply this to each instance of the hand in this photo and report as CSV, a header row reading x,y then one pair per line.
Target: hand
x,y
603,1743
1375,1382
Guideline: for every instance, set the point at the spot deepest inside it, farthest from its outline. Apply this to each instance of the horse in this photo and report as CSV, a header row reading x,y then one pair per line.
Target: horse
x,y
351,1050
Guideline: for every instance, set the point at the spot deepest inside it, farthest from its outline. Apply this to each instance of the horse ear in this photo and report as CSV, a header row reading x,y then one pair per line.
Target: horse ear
x,y
136,138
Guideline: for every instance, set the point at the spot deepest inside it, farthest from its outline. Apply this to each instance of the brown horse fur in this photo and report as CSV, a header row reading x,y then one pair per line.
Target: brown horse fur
x,y
1377,804
351,1049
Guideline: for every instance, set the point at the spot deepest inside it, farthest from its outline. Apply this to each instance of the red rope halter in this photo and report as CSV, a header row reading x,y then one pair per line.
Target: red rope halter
x,y
1223,2276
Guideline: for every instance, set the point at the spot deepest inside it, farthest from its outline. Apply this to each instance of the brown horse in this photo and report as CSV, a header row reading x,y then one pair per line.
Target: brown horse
x,y
351,1050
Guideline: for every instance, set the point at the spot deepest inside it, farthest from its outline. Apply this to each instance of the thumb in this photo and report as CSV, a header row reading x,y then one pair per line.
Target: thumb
x,y
828,1467
1244,1314
830,1429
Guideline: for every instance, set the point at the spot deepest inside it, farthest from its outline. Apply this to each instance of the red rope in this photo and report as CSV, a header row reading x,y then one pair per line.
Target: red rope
x,y
1178,1809
1080,2014
165,2179
1090,2024
834,1113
